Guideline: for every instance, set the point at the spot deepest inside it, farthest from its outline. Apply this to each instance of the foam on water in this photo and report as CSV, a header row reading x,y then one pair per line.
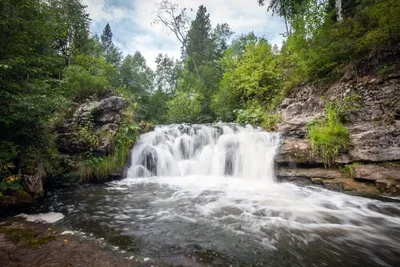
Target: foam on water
x,y
212,188
222,176
50,217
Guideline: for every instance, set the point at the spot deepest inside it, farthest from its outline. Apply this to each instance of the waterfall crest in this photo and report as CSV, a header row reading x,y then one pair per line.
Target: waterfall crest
x,y
209,150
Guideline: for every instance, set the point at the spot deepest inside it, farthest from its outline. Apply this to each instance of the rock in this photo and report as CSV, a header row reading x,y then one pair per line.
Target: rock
x,y
109,117
71,143
296,150
107,134
33,184
103,118
390,187
376,143
313,173
85,110
113,103
374,173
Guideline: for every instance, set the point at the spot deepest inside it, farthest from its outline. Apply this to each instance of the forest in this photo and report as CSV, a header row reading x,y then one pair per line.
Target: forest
x,y
50,62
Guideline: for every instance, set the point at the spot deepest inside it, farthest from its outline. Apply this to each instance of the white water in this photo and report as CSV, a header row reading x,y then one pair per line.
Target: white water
x,y
212,187
217,150
222,176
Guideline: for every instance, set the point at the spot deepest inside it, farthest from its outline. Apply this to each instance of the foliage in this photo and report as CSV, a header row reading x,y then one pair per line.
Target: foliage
x,y
255,115
79,83
328,137
184,107
111,52
350,169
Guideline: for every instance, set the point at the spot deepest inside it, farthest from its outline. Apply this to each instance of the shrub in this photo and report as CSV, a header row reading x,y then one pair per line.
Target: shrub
x,y
328,136
80,83
256,115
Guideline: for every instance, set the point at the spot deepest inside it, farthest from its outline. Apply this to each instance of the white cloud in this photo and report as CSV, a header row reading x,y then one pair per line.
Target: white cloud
x,y
143,35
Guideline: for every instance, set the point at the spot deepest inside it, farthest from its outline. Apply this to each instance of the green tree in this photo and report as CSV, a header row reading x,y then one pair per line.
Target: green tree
x,y
167,72
112,54
200,42
73,23
29,64
184,107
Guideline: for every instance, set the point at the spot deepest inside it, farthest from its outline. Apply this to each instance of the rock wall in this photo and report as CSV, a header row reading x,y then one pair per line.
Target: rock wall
x,y
374,154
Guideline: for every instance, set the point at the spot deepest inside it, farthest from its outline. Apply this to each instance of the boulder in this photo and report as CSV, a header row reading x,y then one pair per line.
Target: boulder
x,y
113,103
84,111
33,184
105,118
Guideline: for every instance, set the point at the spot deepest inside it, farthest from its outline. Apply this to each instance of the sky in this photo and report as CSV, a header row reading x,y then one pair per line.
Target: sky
x,y
133,29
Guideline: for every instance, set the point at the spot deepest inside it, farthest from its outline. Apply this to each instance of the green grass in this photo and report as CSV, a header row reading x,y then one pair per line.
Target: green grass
x,y
349,169
328,137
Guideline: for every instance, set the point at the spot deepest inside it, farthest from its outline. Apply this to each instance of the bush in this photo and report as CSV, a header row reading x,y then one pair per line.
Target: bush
x,y
255,115
184,107
328,137
80,84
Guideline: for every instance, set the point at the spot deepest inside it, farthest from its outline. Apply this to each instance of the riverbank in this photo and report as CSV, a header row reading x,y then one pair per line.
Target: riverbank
x,y
25,243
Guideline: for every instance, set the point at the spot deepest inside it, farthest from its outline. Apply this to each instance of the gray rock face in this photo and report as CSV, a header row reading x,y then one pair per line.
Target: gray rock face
x,y
374,173
104,116
33,184
375,143
315,173
113,103
374,131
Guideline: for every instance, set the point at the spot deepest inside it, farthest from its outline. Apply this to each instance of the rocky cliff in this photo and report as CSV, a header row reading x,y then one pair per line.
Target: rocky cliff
x,y
371,163
87,142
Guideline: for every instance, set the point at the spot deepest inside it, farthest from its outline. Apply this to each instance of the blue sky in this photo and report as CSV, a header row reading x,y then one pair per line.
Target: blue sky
x,y
131,23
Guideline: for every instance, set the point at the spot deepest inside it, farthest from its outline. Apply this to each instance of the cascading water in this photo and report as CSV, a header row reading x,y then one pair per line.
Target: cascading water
x,y
204,195
218,150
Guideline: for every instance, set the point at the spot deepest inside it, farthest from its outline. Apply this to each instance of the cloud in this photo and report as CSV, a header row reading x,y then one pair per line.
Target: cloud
x,y
134,30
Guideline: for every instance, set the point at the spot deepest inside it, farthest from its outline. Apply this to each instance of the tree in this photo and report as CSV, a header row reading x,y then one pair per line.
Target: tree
x,y
111,52
166,73
176,21
184,107
136,75
200,45
220,35
73,23
28,64
286,9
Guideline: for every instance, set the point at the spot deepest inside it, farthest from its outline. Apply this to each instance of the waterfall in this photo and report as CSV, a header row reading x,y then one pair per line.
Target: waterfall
x,y
208,150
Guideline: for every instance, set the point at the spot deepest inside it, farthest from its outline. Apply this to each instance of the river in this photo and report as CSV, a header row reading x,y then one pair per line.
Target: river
x,y
206,195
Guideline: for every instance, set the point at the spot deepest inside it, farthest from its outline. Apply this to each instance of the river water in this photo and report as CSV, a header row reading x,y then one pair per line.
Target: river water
x,y
206,195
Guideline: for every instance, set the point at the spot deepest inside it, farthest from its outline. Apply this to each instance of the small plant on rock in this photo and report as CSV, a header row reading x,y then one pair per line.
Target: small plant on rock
x,y
328,137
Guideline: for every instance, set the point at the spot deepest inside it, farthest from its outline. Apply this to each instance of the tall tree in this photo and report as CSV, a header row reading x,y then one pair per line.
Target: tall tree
x,y
176,21
74,24
112,54
136,75
166,73
27,63
221,34
200,42
286,9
